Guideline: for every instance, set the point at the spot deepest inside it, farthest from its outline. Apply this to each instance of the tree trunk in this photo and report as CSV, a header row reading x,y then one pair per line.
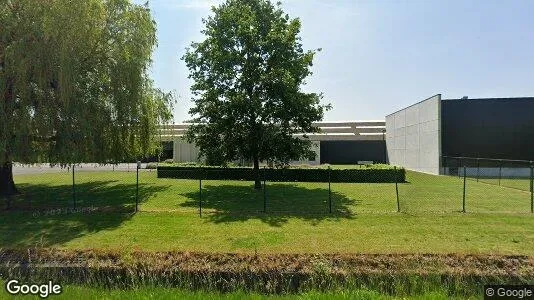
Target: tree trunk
x,y
257,182
7,185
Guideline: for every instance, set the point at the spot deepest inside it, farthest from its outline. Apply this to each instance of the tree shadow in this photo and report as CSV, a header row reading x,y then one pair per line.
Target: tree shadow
x,y
20,229
108,193
43,215
223,203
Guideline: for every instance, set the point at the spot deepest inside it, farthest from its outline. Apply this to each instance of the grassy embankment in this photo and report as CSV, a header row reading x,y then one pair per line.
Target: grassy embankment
x,y
365,220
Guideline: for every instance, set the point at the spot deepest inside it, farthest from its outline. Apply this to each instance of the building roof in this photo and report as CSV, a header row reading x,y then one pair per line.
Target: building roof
x,y
330,131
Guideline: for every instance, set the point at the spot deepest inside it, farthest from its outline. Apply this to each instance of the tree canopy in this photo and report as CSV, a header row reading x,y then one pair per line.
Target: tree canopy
x,y
74,84
248,75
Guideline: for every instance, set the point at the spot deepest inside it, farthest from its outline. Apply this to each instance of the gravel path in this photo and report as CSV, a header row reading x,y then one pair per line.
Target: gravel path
x,y
20,169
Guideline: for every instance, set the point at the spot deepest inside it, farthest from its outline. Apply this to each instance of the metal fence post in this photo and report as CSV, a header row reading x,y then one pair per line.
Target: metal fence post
x,y
137,188
500,171
531,187
200,194
329,190
264,190
463,202
397,189
73,188
478,168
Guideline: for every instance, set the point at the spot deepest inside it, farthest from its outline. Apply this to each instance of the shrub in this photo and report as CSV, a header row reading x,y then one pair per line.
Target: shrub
x,y
152,165
371,175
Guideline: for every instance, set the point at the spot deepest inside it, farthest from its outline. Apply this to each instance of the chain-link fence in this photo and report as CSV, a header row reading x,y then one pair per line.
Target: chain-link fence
x,y
493,185
470,185
515,174
209,194
465,185
45,188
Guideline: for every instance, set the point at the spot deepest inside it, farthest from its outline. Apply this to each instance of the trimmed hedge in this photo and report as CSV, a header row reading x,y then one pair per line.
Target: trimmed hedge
x,y
369,175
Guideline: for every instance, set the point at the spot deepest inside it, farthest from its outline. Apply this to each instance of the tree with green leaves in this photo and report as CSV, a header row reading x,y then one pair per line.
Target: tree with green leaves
x,y
248,74
74,83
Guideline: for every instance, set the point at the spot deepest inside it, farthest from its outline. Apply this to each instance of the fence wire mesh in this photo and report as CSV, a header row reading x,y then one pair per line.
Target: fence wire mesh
x,y
493,185
74,188
472,185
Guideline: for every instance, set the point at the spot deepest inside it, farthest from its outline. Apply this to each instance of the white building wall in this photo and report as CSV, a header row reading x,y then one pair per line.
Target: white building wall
x,y
413,136
330,131
184,151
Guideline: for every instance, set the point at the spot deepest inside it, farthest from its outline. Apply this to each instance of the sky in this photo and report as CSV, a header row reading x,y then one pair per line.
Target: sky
x,y
379,56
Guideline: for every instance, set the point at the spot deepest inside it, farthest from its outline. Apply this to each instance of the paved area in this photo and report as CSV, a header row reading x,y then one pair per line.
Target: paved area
x,y
20,169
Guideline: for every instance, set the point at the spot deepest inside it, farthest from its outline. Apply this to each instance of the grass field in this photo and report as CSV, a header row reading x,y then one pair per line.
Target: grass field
x,y
498,219
364,219
514,183
421,193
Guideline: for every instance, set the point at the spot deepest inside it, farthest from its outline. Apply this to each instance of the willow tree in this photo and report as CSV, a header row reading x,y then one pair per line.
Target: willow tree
x,y
248,74
74,85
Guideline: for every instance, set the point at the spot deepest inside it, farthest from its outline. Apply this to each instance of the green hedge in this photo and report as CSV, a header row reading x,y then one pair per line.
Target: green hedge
x,y
285,175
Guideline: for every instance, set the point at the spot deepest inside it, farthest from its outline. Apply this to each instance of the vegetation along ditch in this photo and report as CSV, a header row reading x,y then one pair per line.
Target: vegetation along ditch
x,y
391,274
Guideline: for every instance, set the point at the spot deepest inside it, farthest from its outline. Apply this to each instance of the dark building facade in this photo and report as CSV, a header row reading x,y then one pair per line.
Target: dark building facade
x,y
439,136
352,152
419,137
500,128
337,142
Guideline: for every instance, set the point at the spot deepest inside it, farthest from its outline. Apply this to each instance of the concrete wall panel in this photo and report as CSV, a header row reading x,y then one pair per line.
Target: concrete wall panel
x,y
428,109
400,142
412,129
415,142
429,126
412,142
184,152
411,116
412,157
400,120
390,127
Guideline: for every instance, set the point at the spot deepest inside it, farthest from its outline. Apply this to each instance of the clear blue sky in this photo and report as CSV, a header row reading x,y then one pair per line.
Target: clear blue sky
x,y
379,56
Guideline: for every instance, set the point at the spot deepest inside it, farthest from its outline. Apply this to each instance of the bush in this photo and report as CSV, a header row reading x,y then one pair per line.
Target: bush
x,y
369,174
152,165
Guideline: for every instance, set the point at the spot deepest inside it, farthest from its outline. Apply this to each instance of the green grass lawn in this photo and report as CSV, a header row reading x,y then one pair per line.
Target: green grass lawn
x,y
421,194
514,183
498,219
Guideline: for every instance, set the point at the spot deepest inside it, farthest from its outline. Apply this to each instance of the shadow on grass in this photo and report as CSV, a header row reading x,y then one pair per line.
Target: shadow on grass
x,y
20,229
92,194
231,203
34,218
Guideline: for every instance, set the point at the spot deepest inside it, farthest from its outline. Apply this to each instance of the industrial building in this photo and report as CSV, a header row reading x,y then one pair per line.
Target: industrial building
x,y
419,137
422,136
349,142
